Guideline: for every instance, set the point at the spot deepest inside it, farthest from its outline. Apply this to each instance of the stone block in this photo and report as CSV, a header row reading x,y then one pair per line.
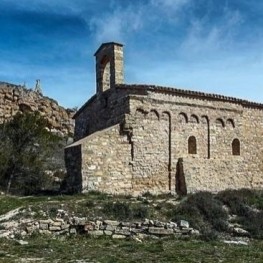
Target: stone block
x,y
118,236
110,228
123,232
54,228
160,231
65,226
108,233
73,231
56,224
111,222
183,224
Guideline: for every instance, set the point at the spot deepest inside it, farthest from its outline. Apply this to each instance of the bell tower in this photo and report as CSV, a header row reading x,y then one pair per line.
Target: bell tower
x,y
109,66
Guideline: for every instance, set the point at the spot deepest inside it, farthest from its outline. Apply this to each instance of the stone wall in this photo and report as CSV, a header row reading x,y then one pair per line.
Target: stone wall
x,y
100,112
144,131
14,98
73,225
105,165
145,138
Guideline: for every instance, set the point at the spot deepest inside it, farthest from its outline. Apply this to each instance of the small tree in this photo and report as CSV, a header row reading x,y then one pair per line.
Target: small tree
x,y
25,145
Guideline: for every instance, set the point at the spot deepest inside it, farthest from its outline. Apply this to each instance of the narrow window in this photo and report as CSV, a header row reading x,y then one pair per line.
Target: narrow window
x,y
192,148
236,147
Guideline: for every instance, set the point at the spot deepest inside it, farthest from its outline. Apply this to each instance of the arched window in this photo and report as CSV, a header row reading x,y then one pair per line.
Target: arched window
x,y
183,118
236,147
220,123
230,123
192,148
194,119
105,73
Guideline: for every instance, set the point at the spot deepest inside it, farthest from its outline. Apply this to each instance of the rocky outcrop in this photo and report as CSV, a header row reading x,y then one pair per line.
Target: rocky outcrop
x,y
16,98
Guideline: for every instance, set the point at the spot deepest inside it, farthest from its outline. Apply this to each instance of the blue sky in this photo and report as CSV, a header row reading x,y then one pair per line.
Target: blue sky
x,y
214,46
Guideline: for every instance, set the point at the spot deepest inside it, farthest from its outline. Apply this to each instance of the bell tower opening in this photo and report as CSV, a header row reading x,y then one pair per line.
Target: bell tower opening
x,y
109,66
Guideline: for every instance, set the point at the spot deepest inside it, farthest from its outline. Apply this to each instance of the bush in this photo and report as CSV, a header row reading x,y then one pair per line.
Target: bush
x,y
239,200
203,212
25,148
253,223
248,205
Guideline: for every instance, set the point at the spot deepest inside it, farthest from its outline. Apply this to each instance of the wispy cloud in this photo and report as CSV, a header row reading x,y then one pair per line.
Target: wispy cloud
x,y
210,38
117,24
196,44
171,5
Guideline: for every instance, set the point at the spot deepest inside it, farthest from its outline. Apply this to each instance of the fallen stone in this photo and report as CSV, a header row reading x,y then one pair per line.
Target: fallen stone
x,y
240,232
183,224
22,242
160,231
118,236
236,242
10,214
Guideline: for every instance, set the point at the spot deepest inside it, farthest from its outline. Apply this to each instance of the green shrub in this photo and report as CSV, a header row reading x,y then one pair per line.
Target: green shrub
x,y
239,200
203,212
253,223
247,204
26,150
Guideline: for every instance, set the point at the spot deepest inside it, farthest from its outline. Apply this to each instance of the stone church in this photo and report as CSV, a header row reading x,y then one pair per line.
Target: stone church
x,y
131,139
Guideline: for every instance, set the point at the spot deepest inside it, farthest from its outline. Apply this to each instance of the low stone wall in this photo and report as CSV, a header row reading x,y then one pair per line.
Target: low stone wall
x,y
110,228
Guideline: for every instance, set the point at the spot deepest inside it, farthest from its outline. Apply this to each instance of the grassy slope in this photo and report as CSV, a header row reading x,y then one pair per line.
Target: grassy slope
x,y
107,250
200,209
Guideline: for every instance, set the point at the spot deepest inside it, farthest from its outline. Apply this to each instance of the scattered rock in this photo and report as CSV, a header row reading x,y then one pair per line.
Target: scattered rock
x,y
22,242
183,224
10,214
240,232
244,243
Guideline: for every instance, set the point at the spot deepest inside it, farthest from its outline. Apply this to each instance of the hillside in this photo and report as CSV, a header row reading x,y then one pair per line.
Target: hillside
x,y
96,227
16,98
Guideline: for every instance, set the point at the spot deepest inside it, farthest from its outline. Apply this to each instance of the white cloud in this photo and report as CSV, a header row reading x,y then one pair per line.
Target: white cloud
x,y
173,5
205,38
117,25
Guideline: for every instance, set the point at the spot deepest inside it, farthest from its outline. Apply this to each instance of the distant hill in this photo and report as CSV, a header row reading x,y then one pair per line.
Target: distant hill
x,y
16,98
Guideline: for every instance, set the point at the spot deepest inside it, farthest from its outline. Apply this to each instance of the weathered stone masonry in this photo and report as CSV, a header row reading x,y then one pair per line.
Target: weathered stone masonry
x,y
140,138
